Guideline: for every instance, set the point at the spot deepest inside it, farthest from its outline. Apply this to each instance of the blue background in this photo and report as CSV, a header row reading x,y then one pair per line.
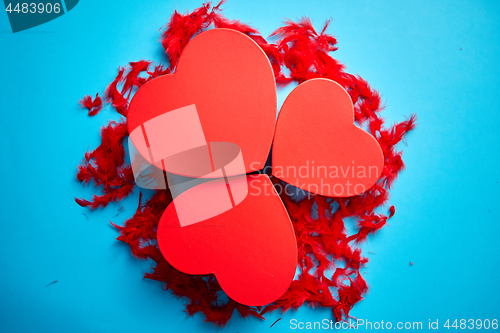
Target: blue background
x,y
439,59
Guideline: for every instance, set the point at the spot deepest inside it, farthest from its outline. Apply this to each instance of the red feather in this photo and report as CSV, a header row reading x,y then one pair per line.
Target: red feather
x,y
321,238
93,106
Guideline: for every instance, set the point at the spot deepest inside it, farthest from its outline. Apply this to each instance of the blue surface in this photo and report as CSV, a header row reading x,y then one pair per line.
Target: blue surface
x,y
436,59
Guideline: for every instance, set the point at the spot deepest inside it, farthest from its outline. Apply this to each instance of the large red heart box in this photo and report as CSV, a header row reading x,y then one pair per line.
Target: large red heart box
x,y
251,248
230,81
318,148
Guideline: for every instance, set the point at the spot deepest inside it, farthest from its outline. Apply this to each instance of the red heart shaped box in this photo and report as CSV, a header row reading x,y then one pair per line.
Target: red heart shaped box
x,y
251,248
229,79
318,148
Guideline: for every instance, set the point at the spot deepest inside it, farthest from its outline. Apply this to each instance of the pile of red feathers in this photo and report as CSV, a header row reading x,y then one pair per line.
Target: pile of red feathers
x,y
321,237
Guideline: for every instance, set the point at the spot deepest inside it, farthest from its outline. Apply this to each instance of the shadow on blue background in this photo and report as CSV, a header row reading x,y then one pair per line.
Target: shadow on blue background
x,y
436,59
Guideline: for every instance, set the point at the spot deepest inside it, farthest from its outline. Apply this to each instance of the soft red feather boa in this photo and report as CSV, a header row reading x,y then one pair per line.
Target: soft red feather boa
x,y
321,240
